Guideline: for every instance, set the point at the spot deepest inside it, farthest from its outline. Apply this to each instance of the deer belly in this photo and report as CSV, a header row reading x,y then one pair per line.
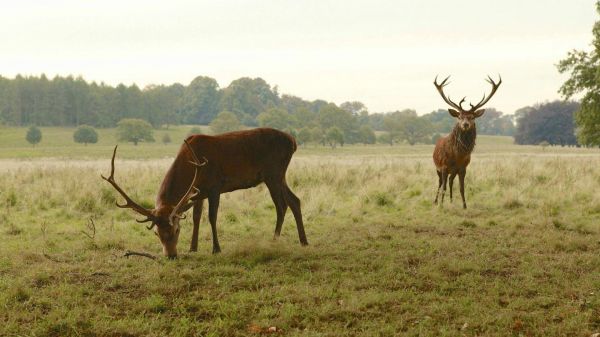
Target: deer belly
x,y
239,183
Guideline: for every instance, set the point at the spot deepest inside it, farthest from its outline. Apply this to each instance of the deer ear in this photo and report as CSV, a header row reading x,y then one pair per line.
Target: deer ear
x,y
478,113
454,113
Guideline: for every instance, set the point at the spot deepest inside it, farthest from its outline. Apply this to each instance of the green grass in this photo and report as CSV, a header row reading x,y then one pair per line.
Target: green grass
x,y
522,260
58,142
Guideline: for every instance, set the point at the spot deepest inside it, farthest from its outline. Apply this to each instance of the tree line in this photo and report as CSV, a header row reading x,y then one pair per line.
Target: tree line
x,y
246,102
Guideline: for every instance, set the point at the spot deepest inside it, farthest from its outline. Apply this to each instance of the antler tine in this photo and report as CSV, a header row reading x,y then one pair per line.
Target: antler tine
x,y
440,89
143,220
461,102
485,99
129,203
188,195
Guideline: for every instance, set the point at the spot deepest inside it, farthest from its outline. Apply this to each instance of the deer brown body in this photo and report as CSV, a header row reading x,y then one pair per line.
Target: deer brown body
x,y
452,154
232,161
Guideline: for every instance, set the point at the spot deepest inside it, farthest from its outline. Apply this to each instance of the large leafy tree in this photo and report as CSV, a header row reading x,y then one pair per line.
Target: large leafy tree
x,y
201,101
584,69
247,97
134,131
549,122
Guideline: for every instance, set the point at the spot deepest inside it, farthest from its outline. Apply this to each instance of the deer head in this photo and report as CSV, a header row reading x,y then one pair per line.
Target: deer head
x,y
164,220
466,118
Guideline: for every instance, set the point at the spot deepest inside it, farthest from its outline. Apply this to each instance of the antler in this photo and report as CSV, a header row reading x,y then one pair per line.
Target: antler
x,y
128,202
440,89
192,190
484,99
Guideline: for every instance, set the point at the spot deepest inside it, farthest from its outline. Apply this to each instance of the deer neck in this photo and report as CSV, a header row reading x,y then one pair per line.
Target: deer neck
x,y
463,141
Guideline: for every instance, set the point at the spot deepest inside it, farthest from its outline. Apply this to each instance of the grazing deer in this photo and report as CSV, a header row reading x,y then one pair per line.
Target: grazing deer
x,y
231,161
452,153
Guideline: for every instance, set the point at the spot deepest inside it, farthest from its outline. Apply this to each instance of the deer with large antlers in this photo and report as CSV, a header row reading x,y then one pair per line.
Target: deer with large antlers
x,y
452,153
231,161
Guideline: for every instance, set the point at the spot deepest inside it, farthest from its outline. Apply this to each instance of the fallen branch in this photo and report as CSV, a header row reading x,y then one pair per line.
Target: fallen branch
x,y
129,253
92,229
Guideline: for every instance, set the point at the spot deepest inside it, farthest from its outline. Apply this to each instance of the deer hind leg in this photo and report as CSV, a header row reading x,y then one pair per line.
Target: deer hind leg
x,y
277,194
213,207
437,193
292,200
452,176
461,180
198,205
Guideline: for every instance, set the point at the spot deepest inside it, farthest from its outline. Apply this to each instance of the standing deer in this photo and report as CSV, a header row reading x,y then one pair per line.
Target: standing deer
x,y
452,153
231,161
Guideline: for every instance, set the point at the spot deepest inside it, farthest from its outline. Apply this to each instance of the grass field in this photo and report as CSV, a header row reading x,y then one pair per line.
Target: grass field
x,y
523,260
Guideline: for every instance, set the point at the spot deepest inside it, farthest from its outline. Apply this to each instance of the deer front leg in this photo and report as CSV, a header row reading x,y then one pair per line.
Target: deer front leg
x,y
461,180
213,207
198,205
444,183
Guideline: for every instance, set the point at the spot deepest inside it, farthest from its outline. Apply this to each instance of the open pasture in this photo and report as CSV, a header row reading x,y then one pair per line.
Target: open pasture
x,y
522,260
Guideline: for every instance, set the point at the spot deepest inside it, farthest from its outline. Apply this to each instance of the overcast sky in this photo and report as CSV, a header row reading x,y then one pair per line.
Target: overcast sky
x,y
382,53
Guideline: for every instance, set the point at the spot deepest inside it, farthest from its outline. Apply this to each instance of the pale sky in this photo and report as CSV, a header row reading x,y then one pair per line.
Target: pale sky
x,y
382,53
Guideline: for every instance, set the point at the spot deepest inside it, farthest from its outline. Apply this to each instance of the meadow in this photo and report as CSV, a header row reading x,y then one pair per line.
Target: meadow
x,y
522,260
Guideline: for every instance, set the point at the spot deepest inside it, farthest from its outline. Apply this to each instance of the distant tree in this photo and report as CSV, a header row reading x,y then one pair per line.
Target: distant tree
x,y
166,139
200,103
393,123
85,134
304,136
226,121
376,121
318,135
584,67
248,97
367,135
134,131
331,115
335,136
356,108
291,132
195,131
441,121
494,122
415,130
34,135
551,122
385,138
275,118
